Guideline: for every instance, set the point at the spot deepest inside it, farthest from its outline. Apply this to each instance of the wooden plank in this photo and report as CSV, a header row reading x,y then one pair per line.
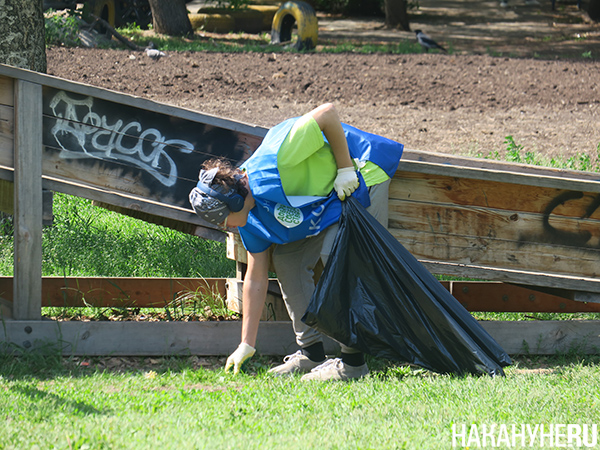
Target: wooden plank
x,y
539,279
7,136
559,233
149,338
7,96
503,297
130,150
28,201
144,338
465,223
441,189
411,156
546,337
274,338
488,237
118,291
582,183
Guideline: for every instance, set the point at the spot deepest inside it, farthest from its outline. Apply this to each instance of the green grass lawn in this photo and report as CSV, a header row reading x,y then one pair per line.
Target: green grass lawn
x,y
190,403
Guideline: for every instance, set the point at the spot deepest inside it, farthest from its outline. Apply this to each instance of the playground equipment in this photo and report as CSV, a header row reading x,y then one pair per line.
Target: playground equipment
x,y
301,15
535,231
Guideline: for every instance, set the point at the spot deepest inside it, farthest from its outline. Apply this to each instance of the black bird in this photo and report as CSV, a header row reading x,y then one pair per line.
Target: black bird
x,y
428,43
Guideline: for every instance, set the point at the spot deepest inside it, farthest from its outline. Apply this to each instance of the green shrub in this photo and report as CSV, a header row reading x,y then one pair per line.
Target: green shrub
x,y
61,29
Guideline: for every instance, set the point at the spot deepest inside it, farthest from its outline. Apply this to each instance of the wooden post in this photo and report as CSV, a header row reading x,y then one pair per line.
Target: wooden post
x,y
27,304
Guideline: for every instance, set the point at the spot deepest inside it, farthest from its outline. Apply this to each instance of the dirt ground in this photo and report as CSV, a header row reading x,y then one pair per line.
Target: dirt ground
x,y
466,102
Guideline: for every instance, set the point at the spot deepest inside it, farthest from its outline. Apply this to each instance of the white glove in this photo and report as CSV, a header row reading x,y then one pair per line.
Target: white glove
x,y
237,358
346,182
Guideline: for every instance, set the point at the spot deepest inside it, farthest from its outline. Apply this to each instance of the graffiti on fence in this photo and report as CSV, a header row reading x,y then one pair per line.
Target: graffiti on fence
x,y
120,141
552,234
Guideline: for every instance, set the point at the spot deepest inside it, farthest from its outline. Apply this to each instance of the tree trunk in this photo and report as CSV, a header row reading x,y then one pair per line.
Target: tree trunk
x,y
594,10
22,34
170,18
396,14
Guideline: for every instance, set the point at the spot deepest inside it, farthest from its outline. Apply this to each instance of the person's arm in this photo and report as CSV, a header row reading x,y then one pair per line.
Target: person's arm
x,y
254,296
329,122
346,181
256,283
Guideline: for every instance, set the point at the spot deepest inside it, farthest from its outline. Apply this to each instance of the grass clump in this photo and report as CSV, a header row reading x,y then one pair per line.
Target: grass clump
x,y
515,152
259,43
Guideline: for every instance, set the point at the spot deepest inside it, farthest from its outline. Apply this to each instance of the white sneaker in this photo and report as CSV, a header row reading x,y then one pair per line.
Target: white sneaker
x,y
336,370
295,363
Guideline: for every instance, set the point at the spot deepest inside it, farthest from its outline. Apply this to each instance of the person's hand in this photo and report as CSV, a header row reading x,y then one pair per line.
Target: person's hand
x,y
346,182
237,358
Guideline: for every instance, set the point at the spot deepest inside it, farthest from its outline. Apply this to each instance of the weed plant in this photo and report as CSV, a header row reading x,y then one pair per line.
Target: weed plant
x,y
516,153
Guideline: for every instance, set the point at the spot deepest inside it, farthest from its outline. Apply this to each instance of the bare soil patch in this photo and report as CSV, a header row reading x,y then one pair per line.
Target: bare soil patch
x,y
463,103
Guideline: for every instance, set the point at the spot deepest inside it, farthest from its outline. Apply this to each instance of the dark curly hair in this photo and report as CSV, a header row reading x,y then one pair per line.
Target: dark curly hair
x,y
227,175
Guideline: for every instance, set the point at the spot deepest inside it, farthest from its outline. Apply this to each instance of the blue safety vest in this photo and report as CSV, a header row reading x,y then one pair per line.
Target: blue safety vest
x,y
279,219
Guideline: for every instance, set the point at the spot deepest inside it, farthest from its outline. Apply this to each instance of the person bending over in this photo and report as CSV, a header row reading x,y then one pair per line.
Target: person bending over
x,y
289,195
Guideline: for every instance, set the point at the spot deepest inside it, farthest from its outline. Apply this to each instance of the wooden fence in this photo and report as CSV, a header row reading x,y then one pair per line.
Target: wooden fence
x,y
534,229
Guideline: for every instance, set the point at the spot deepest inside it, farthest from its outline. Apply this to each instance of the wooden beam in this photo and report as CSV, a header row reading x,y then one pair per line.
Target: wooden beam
x,y
7,115
118,292
526,178
546,337
28,201
540,279
411,156
274,338
503,297
146,338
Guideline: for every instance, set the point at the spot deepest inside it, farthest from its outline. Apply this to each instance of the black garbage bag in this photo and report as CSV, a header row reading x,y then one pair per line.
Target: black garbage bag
x,y
376,297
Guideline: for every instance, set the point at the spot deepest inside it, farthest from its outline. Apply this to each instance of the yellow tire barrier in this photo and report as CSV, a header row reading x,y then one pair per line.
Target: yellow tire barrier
x,y
268,13
105,9
247,20
212,23
302,14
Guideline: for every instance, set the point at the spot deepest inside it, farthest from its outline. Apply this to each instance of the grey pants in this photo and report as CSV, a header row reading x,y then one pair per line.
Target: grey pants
x,y
295,263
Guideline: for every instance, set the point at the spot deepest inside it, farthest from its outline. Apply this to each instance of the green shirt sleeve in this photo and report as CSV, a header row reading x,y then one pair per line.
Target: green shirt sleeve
x,y
305,161
307,165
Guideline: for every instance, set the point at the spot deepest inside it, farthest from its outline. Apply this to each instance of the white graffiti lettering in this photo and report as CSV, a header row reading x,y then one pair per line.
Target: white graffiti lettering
x,y
123,142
